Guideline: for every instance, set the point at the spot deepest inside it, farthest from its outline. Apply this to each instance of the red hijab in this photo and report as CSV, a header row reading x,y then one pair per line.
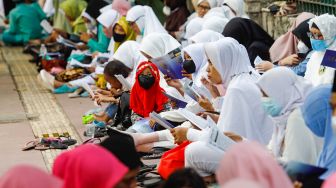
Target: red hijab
x,y
145,101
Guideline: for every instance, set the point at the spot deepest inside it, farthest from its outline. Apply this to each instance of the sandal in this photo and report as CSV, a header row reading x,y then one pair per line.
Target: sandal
x,y
153,156
30,145
57,144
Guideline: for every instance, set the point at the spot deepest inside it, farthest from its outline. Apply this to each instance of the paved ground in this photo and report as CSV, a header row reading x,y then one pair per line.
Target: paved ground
x,y
28,110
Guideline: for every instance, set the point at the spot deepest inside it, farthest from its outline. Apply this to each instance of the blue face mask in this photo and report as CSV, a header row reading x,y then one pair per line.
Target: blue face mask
x,y
270,107
318,45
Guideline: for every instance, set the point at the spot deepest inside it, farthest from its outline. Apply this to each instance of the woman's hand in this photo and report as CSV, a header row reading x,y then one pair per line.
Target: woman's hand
x,y
212,88
187,75
115,92
264,66
233,136
91,69
213,116
104,99
81,47
175,84
291,60
180,134
152,123
205,103
85,37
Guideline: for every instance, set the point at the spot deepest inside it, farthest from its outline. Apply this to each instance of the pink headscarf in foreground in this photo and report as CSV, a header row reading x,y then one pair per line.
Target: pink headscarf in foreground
x,y
250,161
121,6
286,44
89,166
330,182
24,176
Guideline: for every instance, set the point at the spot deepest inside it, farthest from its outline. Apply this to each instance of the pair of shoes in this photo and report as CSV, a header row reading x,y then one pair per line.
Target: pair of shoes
x,y
47,79
65,89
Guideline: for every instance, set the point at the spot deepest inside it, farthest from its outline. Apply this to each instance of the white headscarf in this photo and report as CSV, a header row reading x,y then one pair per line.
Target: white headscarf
x,y
237,6
217,11
289,91
158,44
212,3
146,20
241,112
215,23
129,54
316,73
230,58
326,23
193,27
108,18
206,36
197,54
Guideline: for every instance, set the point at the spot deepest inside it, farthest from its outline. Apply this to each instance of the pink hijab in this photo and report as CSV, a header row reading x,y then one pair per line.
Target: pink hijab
x,y
330,182
89,166
242,183
121,6
24,176
250,161
286,44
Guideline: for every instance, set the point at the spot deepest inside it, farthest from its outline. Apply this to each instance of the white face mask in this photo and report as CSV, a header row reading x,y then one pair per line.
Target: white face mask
x,y
166,10
302,48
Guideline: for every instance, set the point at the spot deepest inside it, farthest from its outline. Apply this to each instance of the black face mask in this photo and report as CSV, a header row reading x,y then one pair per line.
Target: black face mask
x,y
189,66
118,37
146,81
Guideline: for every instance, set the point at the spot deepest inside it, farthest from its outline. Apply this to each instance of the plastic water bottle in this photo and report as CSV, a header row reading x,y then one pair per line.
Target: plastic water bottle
x,y
90,130
43,51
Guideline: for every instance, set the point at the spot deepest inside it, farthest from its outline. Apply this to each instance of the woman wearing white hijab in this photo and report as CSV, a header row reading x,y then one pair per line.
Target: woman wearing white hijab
x,y
129,54
215,23
193,27
144,21
324,35
241,112
235,7
206,36
284,94
157,45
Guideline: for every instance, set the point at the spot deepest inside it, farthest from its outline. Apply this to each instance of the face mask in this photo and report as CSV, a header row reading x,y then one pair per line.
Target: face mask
x,y
270,106
302,48
118,37
166,10
189,66
146,81
318,45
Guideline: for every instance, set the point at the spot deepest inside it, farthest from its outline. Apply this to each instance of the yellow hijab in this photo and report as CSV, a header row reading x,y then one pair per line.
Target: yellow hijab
x,y
130,34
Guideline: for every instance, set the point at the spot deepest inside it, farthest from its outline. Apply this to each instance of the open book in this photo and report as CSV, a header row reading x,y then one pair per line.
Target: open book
x,y
195,92
88,89
170,64
329,59
179,103
217,138
46,26
126,85
164,123
66,42
194,119
73,62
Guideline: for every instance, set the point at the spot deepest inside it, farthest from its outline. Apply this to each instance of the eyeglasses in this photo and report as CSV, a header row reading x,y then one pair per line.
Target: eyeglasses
x,y
314,35
205,8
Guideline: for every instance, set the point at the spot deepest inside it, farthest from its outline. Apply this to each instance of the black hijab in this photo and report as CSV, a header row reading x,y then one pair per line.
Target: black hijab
x,y
122,146
246,31
301,33
94,6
